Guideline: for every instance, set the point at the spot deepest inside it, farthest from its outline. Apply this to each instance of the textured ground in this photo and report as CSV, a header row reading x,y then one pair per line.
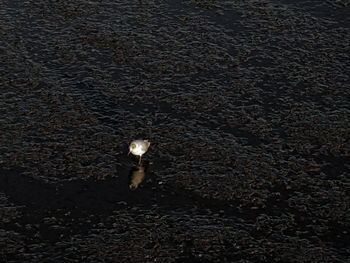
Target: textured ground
x,y
246,105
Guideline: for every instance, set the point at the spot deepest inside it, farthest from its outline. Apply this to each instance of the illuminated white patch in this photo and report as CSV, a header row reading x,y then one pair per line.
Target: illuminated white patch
x,y
139,147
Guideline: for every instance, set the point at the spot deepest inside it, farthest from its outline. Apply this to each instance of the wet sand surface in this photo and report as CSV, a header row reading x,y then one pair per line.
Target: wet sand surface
x,y
246,105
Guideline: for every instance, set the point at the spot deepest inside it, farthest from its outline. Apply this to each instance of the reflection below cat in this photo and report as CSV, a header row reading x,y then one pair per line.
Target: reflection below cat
x,y
137,174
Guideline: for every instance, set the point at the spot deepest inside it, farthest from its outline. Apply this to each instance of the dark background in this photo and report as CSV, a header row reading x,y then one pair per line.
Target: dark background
x,y
246,106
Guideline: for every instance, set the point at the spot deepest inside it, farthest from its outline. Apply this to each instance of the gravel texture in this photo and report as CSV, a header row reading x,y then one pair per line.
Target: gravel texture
x,y
246,106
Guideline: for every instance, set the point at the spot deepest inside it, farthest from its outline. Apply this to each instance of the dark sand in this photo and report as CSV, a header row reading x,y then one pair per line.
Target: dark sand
x,y
246,105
